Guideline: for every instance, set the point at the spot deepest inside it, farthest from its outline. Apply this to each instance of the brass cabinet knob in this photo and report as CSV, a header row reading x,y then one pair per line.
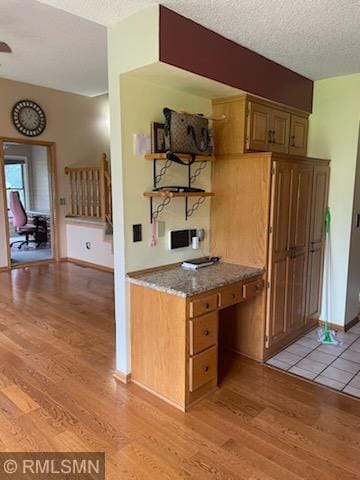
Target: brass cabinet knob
x,y
206,369
233,296
207,306
206,333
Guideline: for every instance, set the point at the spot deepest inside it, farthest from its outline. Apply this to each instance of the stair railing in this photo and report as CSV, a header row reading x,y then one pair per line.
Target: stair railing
x,y
90,191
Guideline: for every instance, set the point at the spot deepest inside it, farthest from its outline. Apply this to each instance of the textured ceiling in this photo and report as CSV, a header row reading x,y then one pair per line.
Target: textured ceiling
x,y
317,38
52,48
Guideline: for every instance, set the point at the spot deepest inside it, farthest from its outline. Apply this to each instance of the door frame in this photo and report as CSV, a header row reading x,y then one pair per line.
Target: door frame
x,y
51,148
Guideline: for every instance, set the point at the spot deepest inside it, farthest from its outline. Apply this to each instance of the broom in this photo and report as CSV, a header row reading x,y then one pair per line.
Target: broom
x,y
327,336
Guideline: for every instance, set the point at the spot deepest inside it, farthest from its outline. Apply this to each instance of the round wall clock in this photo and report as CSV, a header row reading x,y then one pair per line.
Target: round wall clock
x,y
28,118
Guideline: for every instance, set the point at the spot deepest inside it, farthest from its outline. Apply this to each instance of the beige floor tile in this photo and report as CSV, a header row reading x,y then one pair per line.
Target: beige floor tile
x,y
330,382
346,365
335,350
308,342
352,391
287,357
355,347
338,375
322,357
298,349
311,366
355,382
277,363
351,355
302,373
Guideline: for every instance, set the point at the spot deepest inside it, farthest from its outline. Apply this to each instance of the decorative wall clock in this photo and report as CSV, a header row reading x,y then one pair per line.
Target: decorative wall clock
x,y
29,118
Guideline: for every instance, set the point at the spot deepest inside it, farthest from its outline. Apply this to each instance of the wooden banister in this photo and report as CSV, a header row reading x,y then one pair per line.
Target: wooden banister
x,y
90,191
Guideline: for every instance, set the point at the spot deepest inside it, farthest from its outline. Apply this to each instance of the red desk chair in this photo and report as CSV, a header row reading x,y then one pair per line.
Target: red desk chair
x,y
20,221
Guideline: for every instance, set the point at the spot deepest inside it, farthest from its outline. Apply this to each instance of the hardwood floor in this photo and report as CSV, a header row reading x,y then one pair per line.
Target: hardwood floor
x,y
57,393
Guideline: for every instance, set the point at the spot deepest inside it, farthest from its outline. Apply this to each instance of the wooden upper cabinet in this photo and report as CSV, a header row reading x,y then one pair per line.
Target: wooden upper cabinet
x,y
253,124
279,131
229,134
258,127
298,135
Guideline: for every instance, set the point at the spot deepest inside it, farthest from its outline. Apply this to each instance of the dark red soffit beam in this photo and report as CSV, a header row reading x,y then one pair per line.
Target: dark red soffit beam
x,y
186,44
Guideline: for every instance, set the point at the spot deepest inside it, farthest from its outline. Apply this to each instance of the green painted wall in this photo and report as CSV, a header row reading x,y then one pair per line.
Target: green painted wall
x,y
333,134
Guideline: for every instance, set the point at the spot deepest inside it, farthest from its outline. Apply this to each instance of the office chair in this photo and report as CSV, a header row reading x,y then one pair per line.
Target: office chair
x,y
20,221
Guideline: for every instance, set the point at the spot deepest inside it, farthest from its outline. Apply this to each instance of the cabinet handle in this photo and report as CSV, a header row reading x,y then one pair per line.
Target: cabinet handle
x,y
293,141
206,369
207,305
273,136
206,333
270,136
233,296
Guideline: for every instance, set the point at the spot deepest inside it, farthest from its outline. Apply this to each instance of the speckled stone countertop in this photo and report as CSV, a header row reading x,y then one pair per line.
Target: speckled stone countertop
x,y
184,283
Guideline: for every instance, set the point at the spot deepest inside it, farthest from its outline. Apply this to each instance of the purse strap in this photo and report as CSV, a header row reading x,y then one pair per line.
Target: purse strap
x,y
174,158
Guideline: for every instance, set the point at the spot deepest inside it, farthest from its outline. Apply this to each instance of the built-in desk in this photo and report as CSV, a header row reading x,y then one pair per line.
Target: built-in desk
x,y
174,326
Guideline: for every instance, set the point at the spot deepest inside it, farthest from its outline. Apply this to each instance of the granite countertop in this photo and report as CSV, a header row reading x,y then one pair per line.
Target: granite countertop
x,y
184,283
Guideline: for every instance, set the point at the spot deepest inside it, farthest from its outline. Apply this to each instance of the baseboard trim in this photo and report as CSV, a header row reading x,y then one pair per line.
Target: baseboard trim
x,y
39,263
332,326
82,263
341,328
158,395
122,377
352,323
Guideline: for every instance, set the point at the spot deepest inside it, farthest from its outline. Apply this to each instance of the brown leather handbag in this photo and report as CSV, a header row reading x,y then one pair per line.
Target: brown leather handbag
x,y
186,133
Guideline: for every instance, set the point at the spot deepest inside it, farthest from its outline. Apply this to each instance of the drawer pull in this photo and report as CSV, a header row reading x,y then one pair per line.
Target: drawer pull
x,y
207,306
206,333
206,369
233,296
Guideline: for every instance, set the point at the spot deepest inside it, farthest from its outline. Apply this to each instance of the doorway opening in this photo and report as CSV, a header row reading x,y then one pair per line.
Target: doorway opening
x,y
28,173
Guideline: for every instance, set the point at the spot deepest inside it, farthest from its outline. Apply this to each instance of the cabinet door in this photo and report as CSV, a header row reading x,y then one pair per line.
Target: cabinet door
x,y
317,241
258,127
298,135
280,129
299,241
282,186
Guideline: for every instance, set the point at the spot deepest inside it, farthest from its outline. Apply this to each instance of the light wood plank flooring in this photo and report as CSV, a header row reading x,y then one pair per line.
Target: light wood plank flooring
x,y
57,393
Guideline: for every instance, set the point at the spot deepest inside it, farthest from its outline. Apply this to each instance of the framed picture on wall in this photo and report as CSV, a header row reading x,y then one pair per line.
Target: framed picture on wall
x,y
157,138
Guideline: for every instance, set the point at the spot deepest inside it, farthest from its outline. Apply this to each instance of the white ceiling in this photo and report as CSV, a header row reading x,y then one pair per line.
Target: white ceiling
x,y
317,38
52,48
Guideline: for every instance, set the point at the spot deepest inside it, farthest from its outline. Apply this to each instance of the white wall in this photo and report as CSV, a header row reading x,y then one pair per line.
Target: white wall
x,y
132,43
142,103
39,179
100,252
352,306
333,134
78,125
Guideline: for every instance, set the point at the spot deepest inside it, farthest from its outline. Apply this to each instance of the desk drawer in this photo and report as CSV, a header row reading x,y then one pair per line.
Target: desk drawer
x,y
251,289
203,305
203,332
203,368
231,295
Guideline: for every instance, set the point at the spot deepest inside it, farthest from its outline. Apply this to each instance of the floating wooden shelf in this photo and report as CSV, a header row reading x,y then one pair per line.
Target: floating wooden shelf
x,y
183,156
178,194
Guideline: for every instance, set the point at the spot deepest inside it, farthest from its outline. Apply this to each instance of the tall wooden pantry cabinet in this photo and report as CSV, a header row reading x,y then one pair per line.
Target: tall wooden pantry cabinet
x,y
269,210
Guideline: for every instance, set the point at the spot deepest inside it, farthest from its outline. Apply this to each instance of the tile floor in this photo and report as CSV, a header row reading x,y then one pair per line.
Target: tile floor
x,y
337,367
